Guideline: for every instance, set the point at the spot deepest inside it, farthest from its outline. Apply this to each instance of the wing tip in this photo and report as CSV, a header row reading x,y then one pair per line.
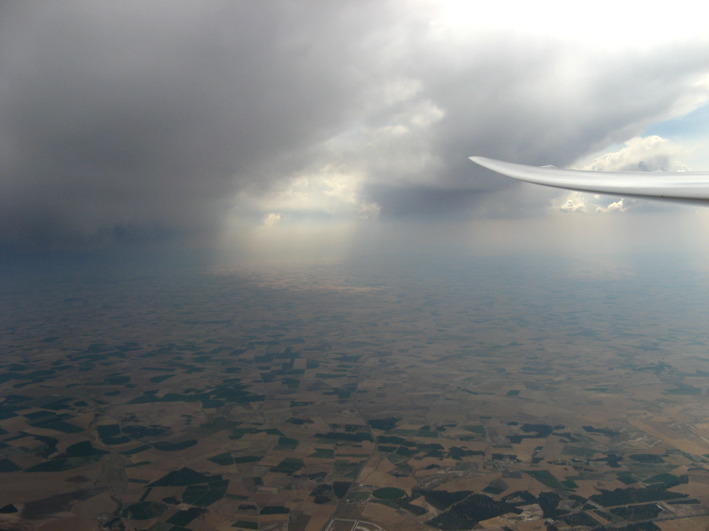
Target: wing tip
x,y
485,162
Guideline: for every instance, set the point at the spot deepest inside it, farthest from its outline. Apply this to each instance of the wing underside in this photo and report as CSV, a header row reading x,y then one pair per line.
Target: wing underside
x,y
674,186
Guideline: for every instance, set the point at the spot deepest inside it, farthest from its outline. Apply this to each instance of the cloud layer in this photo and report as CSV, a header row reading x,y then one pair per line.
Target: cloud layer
x,y
131,121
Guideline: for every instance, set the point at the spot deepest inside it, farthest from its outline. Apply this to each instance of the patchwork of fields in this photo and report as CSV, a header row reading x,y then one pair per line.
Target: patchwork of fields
x,y
313,396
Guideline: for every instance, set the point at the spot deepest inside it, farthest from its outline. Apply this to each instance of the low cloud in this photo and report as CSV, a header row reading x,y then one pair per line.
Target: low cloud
x,y
615,206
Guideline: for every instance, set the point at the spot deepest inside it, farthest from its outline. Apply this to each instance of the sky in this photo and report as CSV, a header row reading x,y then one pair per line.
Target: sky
x,y
283,130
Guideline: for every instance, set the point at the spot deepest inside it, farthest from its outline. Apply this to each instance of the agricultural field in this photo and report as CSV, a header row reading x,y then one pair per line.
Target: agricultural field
x,y
316,396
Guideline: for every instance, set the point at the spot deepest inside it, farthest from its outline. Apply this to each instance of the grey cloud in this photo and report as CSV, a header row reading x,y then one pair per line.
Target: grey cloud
x,y
531,107
121,118
539,103
418,201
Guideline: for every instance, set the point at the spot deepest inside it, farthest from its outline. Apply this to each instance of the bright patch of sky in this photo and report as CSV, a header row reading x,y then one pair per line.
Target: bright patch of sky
x,y
687,127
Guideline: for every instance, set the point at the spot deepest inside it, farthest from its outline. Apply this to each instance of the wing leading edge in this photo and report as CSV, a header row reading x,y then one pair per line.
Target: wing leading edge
x,y
674,186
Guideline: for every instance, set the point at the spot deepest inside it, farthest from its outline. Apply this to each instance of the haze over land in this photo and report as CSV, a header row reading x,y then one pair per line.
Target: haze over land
x,y
250,279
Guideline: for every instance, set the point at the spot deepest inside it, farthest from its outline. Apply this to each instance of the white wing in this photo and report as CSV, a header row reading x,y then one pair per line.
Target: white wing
x,y
676,186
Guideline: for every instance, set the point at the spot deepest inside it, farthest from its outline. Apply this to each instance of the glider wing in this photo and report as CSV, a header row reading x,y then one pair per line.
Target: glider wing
x,y
675,186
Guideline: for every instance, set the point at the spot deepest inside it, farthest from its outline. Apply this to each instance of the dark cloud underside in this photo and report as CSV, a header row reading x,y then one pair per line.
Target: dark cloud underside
x,y
131,117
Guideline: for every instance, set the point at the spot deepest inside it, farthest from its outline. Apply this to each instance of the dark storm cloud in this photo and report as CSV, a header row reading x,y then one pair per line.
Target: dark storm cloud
x,y
423,201
140,121
134,118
